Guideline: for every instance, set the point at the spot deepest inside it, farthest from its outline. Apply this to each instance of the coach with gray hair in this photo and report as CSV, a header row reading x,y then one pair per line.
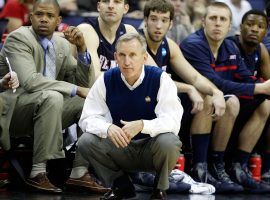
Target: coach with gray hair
x,y
130,121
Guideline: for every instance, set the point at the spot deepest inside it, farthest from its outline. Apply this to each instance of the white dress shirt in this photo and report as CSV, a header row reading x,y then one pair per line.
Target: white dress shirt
x,y
96,117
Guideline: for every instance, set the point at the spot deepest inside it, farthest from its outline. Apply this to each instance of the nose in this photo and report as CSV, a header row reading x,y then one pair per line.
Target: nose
x,y
218,22
44,18
127,61
254,28
111,4
159,24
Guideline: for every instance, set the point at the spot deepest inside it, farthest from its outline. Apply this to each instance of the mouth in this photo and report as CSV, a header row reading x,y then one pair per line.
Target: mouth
x,y
157,33
252,36
43,28
127,69
216,31
110,13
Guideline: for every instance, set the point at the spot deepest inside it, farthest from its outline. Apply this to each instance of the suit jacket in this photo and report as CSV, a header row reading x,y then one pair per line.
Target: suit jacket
x,y
26,57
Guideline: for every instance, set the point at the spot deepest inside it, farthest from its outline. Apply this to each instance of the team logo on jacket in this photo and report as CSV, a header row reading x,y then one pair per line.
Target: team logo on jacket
x,y
106,64
163,52
147,99
232,57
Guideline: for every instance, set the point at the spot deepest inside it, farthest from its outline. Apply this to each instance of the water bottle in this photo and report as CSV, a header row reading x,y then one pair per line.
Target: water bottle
x,y
255,166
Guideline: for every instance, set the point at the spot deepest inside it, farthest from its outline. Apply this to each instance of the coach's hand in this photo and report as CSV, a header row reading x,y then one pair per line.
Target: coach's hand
x,y
117,136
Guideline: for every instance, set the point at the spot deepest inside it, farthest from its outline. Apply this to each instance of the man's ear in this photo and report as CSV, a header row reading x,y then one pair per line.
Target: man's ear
x,y
266,32
59,20
31,16
230,26
126,8
98,9
115,56
145,57
241,26
203,22
145,21
171,24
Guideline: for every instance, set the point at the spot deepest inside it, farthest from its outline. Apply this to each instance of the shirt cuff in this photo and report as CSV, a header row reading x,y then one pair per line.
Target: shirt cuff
x,y
84,58
74,91
104,132
146,127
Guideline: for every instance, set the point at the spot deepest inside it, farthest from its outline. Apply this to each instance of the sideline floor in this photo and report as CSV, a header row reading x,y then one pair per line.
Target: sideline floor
x,y
20,195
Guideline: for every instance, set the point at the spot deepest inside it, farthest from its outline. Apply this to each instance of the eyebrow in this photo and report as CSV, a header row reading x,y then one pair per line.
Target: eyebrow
x,y
153,15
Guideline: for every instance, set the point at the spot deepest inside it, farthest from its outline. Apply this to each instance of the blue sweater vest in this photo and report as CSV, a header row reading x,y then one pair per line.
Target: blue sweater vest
x,y
130,105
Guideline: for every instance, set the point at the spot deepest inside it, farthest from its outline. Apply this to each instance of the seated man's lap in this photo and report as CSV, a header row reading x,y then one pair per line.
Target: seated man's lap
x,y
28,105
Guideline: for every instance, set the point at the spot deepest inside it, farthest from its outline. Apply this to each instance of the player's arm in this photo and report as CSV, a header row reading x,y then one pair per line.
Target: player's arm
x,y
92,42
185,71
265,63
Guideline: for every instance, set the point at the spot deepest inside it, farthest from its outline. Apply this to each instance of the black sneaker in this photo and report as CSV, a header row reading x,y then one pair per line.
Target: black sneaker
x,y
122,188
219,173
241,175
118,195
200,173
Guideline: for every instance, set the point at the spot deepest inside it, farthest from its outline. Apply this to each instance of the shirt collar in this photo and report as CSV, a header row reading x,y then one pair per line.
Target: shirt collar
x,y
45,41
137,83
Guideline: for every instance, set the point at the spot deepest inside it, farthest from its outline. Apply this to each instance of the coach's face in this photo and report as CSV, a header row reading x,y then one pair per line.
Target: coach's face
x,y
130,58
216,23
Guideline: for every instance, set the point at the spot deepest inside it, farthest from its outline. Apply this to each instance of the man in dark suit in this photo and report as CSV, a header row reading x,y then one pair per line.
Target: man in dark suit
x,y
52,92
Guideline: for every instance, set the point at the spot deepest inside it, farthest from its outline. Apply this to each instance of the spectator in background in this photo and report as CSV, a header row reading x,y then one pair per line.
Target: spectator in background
x,y
87,5
196,11
17,12
255,55
258,4
137,11
68,7
238,8
181,26
2,3
219,60
266,40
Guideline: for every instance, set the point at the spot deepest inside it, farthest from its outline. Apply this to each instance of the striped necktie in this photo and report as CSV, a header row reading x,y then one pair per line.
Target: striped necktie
x,y
50,59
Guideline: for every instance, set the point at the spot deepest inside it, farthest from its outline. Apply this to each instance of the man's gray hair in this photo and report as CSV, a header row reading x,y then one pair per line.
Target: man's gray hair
x,y
130,36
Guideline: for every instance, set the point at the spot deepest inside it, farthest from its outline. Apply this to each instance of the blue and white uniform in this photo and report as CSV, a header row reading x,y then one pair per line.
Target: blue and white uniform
x,y
253,60
162,57
228,72
106,50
